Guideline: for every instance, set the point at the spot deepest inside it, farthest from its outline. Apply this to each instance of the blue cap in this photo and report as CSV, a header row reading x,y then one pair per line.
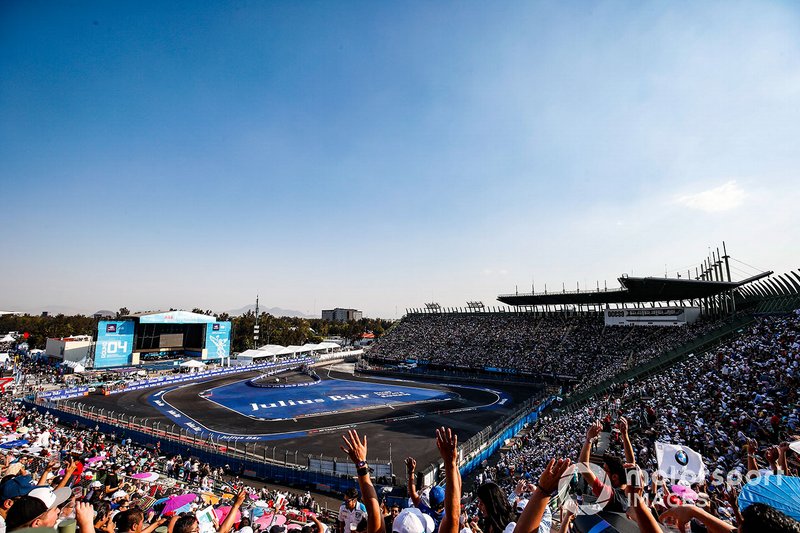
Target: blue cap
x,y
436,497
16,487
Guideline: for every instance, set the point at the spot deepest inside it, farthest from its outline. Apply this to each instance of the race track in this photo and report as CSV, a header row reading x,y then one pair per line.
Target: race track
x,y
395,414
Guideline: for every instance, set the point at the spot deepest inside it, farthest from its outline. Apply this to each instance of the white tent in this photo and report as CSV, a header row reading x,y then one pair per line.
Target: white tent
x,y
293,348
75,366
328,345
193,365
274,348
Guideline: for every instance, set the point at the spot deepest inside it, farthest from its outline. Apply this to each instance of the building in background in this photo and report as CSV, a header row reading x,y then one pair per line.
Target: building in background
x,y
69,349
341,315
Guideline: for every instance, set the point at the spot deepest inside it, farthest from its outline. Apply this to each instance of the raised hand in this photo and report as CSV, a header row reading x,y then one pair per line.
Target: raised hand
x,y
594,430
622,425
771,454
548,480
355,448
84,515
680,515
411,464
447,442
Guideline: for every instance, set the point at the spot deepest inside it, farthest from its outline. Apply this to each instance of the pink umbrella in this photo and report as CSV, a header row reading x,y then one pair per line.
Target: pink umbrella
x,y
93,460
279,520
146,476
265,520
684,492
224,511
176,502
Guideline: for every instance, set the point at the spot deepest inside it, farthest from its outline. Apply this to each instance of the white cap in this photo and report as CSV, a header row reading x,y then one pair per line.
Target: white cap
x,y
51,498
95,485
412,520
119,494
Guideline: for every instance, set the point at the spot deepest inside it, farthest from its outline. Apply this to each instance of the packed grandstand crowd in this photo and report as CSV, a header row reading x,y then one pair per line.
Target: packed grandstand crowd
x,y
573,346
114,475
737,406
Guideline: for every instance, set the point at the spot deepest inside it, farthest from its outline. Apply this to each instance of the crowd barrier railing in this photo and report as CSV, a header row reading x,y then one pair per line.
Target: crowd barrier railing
x,y
240,454
484,444
78,391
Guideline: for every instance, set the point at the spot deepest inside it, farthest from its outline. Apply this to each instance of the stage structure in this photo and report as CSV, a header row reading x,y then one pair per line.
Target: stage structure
x,y
143,337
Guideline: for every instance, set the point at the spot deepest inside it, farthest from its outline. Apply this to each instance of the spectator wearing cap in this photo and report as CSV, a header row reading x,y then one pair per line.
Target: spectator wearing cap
x,y
351,512
412,520
10,491
435,506
38,509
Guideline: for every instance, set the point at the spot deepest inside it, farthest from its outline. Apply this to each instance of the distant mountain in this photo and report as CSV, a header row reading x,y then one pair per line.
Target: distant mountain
x,y
274,311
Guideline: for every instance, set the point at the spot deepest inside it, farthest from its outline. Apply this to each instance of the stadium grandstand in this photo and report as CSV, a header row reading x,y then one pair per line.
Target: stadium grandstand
x,y
667,393
565,336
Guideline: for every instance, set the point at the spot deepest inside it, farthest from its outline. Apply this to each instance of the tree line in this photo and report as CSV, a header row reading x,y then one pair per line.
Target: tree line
x,y
273,330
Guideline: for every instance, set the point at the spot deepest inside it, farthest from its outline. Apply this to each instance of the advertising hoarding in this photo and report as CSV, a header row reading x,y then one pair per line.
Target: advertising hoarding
x,y
218,340
114,343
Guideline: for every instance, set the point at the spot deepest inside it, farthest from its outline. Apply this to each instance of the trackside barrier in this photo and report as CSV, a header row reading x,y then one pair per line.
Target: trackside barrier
x,y
75,392
241,458
244,454
481,446
483,450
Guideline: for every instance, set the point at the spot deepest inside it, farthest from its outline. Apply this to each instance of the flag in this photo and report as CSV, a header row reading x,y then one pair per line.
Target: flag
x,y
280,502
679,462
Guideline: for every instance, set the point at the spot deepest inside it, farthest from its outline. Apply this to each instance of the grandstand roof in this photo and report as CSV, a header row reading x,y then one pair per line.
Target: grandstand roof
x,y
633,290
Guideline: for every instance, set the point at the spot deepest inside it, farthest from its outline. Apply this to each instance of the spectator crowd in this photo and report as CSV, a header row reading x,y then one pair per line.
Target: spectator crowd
x,y
737,406
100,480
561,345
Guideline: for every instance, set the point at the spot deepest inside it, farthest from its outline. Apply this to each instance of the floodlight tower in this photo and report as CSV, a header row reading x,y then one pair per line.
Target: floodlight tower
x,y
475,306
256,327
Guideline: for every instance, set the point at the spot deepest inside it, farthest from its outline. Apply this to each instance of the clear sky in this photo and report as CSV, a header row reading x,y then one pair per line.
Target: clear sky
x,y
380,155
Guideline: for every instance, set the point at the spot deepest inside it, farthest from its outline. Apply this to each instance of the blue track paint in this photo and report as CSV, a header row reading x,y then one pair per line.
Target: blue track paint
x,y
336,395
326,397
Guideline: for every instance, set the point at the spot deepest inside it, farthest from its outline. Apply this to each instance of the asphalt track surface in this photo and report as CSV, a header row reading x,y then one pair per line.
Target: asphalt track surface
x,y
405,428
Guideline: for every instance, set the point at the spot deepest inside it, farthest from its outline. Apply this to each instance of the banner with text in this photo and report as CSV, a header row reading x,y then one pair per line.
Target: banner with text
x,y
114,343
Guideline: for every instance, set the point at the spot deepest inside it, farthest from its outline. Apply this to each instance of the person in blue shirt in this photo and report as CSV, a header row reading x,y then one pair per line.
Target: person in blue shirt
x,y
435,506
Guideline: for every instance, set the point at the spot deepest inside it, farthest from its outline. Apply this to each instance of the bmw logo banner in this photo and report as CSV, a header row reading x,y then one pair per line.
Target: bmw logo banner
x,y
680,462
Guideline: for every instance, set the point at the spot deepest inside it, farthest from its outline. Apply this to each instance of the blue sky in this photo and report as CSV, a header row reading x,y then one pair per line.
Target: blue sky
x,y
379,155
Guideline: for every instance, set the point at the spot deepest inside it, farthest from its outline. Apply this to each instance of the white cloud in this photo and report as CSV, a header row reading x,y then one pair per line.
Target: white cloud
x,y
723,198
